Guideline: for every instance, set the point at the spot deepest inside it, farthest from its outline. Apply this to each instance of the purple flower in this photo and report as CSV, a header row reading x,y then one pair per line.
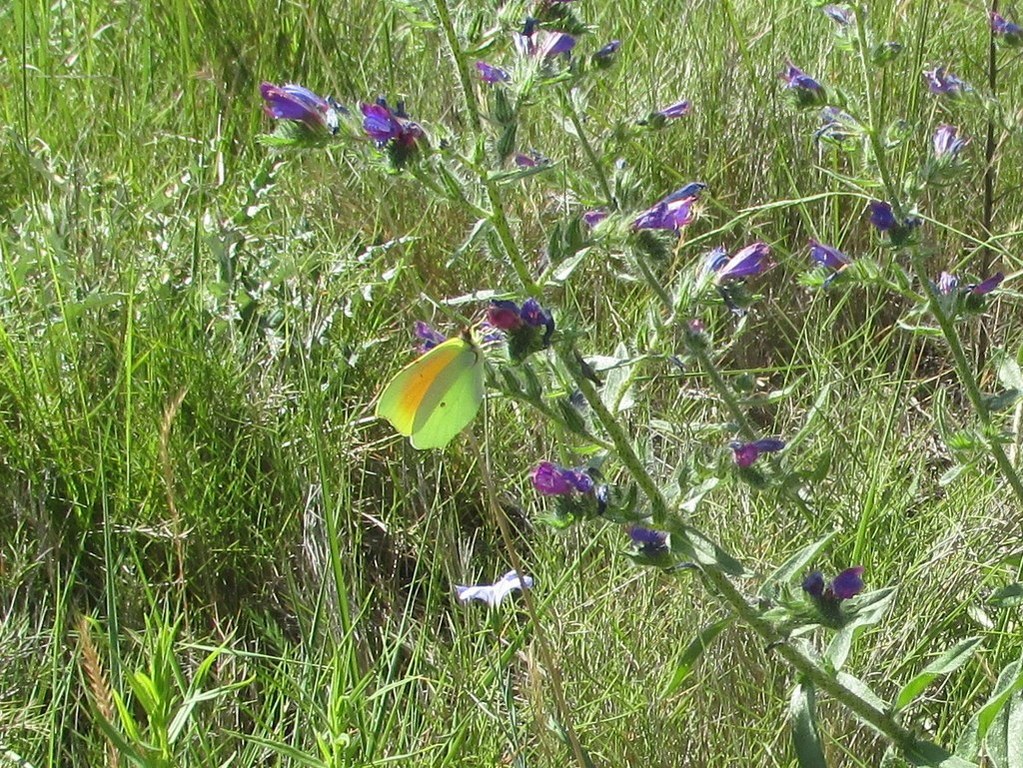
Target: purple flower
x,y
1009,33
551,44
827,256
428,336
491,74
676,110
943,83
494,594
839,14
532,159
986,286
753,260
745,454
946,143
844,586
806,91
385,125
605,55
667,214
593,218
692,189
523,325
881,215
649,541
550,479
504,315
293,102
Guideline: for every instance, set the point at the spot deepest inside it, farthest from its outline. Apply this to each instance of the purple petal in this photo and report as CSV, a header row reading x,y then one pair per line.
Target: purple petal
x,y
827,256
881,215
813,584
753,260
988,285
551,480
491,74
676,110
848,583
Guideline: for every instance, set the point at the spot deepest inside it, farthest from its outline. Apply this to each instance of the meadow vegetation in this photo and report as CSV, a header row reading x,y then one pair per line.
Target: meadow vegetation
x,y
212,553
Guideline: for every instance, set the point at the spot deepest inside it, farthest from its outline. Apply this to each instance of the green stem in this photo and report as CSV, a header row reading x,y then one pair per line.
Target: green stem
x,y
598,168
804,662
623,445
504,234
965,373
724,392
461,66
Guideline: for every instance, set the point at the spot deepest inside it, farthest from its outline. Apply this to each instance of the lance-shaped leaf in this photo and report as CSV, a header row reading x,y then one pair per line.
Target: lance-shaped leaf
x,y
947,663
803,718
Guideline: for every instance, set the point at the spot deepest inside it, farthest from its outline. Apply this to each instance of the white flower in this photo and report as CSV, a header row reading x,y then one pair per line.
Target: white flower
x,y
494,594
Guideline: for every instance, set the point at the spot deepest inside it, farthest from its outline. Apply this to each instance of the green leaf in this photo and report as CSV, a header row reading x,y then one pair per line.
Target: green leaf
x,y
1009,374
945,664
928,755
688,658
1004,742
693,544
617,390
803,717
869,609
1008,596
862,690
1009,681
794,566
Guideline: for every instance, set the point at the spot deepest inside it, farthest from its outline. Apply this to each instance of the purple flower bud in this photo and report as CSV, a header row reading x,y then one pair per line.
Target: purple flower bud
x,y
826,256
986,286
943,83
649,541
549,479
293,102
848,583
1006,31
881,215
491,74
946,144
745,454
813,584
606,53
552,44
379,123
676,110
504,315
667,215
753,260
806,91
593,218
429,337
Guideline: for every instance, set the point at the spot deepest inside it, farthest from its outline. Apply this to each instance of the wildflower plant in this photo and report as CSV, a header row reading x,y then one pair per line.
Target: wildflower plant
x,y
549,60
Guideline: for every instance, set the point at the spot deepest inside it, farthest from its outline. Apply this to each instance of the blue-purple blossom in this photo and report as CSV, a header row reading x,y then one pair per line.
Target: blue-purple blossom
x,y
943,83
676,110
604,56
806,91
649,541
494,594
827,256
844,586
692,189
294,102
947,144
839,14
428,336
542,43
753,260
529,328
531,159
384,125
745,454
594,217
491,74
985,287
667,214
881,215
551,479
1009,33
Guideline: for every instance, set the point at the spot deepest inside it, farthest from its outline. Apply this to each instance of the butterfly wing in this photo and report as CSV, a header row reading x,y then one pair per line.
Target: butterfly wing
x,y
452,401
402,397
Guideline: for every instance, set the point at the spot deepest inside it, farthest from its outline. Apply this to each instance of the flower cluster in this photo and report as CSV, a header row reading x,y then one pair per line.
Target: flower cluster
x,y
529,328
576,494
392,130
1006,32
803,89
745,454
882,216
941,82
